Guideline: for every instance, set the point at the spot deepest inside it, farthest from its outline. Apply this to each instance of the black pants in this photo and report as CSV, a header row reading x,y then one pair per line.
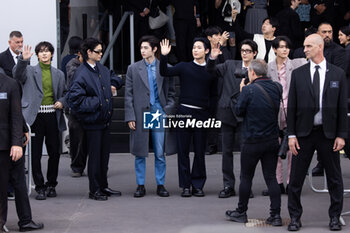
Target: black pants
x,y
185,31
5,161
14,173
98,150
228,139
197,176
300,164
18,181
251,153
78,147
45,125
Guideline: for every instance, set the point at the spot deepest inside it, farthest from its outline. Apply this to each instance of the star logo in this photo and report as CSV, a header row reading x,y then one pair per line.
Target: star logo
x,y
156,116
152,120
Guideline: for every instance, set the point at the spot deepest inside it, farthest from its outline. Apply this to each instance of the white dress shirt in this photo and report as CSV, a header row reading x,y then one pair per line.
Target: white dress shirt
x,y
322,71
14,56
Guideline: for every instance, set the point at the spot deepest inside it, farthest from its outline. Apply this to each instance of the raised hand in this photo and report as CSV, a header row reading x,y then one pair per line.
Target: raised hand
x,y
215,51
224,37
27,54
247,3
165,47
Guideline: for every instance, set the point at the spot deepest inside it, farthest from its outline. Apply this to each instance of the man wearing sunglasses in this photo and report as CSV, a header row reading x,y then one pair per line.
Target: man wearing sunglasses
x,y
90,98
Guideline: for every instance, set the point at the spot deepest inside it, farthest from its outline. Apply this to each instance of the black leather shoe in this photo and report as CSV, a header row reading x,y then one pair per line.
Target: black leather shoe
x,y
140,191
236,216
274,220
51,192
41,195
31,226
317,171
334,224
197,192
10,196
294,225
111,192
98,196
186,192
227,192
161,191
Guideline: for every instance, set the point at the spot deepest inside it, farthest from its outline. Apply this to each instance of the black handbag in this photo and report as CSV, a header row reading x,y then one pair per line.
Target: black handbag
x,y
227,12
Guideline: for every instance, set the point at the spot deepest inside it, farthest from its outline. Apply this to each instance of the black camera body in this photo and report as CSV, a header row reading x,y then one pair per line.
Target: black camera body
x,y
242,74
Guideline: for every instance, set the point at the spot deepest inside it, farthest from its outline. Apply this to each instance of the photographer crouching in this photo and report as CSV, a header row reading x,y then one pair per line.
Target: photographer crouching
x,y
258,104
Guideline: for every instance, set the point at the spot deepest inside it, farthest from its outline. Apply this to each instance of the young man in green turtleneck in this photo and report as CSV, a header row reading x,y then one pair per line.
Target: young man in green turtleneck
x,y
42,103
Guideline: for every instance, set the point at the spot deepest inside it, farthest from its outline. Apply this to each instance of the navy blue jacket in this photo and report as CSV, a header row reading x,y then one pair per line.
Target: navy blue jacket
x,y
90,95
260,121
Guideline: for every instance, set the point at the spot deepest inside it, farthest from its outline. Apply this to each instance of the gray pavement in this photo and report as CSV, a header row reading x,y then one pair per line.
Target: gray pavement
x,y
72,211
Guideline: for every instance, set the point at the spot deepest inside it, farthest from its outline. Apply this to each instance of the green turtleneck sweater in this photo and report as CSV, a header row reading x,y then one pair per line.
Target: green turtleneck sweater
x,y
47,84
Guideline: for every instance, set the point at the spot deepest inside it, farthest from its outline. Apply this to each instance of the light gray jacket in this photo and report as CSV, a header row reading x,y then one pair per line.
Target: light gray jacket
x,y
31,79
291,65
137,100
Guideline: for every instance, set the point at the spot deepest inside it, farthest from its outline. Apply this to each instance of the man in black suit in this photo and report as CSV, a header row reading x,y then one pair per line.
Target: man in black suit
x,y
8,58
11,134
317,120
335,55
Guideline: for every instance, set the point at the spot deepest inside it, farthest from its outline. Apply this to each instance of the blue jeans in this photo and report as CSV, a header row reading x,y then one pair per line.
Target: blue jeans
x,y
159,158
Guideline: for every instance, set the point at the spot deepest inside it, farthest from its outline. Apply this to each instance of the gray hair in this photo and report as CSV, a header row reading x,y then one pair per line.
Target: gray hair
x,y
17,34
259,66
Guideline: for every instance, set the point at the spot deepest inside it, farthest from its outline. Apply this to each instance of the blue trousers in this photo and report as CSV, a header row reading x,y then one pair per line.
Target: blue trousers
x,y
159,158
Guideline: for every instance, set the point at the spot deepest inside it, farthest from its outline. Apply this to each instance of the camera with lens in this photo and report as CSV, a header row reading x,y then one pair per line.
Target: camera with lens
x,y
242,74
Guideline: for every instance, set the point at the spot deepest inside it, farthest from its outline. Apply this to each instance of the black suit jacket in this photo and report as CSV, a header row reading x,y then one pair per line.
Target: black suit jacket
x,y
301,105
11,119
336,55
7,62
229,93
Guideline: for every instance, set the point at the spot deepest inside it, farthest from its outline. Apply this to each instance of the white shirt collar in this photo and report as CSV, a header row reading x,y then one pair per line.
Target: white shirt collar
x,y
14,55
244,66
322,64
203,64
92,66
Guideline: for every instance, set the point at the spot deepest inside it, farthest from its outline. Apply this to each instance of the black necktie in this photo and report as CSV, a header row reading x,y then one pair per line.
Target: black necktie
x,y
316,87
